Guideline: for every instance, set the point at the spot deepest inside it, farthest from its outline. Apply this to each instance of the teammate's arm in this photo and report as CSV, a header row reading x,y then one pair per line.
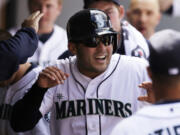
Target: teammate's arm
x,y
17,49
26,114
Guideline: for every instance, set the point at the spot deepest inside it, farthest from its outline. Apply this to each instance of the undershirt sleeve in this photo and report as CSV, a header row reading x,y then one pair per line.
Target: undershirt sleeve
x,y
26,114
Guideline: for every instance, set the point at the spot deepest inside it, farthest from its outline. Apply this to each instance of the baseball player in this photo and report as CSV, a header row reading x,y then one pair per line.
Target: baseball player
x,y
130,41
162,118
101,87
52,38
17,85
144,15
11,91
17,49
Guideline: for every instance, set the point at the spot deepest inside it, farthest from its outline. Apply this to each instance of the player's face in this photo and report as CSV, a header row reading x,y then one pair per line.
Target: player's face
x,y
116,13
50,8
92,61
145,16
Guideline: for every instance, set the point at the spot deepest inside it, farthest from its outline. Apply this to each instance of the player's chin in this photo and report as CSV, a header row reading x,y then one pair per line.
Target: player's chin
x,y
101,67
100,70
44,22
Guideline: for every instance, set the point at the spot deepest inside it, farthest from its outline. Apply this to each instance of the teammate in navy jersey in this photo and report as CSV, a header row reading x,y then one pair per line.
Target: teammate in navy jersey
x,y
13,89
17,49
130,41
162,118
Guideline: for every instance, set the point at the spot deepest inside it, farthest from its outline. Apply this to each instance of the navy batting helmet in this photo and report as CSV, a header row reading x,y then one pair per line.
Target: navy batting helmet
x,y
89,23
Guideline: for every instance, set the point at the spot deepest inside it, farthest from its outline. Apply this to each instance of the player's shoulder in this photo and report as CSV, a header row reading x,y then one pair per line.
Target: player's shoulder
x,y
59,29
134,61
131,29
122,127
155,111
59,36
131,64
133,32
63,63
137,40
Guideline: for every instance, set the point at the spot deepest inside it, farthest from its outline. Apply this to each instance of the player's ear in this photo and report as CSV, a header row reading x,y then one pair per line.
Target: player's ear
x,y
121,11
149,72
59,9
72,48
159,18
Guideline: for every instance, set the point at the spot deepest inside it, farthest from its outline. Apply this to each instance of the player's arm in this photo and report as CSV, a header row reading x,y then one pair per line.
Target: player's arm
x,y
25,41
26,114
17,49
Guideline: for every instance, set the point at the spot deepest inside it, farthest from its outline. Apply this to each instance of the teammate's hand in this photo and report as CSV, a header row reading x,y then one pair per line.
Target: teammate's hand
x,y
51,76
33,21
150,95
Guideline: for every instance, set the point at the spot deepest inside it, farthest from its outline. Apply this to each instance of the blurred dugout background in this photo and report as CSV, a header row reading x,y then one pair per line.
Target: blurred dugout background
x,y
12,13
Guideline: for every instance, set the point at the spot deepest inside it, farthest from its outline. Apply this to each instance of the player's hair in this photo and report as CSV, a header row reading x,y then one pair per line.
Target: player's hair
x,y
166,80
87,5
59,1
4,35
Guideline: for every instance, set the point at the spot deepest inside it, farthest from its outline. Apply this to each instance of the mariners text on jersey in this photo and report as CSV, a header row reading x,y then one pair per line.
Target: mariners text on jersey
x,y
92,107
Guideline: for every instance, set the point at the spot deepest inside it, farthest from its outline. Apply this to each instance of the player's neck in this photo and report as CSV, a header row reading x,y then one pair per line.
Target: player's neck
x,y
148,36
45,30
167,94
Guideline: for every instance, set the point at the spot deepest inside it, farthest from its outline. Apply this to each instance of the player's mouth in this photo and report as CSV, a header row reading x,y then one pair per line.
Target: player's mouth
x,y
142,29
101,58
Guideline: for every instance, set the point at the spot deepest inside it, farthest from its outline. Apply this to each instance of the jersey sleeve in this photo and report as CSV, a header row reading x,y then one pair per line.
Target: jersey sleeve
x,y
26,114
47,102
24,43
16,50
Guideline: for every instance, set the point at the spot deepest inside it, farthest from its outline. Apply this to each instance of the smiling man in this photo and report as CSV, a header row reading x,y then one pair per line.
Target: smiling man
x,y
130,41
101,87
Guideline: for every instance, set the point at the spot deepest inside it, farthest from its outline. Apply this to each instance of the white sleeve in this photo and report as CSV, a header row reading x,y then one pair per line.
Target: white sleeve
x,y
176,8
47,102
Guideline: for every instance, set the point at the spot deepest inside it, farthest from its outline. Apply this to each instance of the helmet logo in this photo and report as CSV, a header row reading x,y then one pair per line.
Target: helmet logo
x,y
99,19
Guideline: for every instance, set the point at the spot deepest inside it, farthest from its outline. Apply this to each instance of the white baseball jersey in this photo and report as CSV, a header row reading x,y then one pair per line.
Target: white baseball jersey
x,y
11,94
162,119
84,106
51,49
134,42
